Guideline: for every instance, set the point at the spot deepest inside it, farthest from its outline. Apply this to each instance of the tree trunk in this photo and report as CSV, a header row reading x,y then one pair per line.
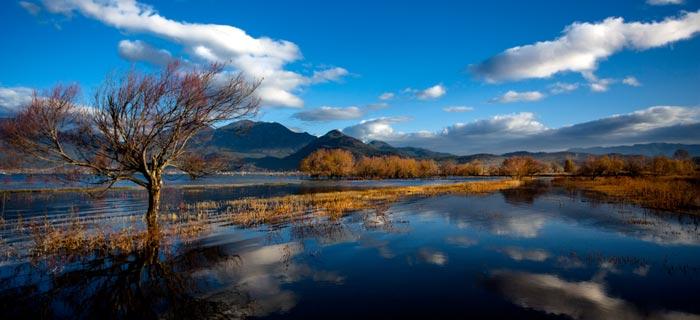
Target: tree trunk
x,y
153,203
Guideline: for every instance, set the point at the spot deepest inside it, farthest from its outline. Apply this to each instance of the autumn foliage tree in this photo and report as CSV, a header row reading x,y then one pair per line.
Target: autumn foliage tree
x,y
519,167
338,163
602,166
334,163
136,126
569,166
678,166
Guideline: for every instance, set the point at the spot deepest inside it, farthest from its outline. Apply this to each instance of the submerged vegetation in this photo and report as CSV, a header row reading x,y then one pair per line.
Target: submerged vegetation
x,y
75,236
263,210
79,237
664,193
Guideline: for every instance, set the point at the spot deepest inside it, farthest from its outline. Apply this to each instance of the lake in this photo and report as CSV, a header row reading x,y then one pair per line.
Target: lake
x,y
533,252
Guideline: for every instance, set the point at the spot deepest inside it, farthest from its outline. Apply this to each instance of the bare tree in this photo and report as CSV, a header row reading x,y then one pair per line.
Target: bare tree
x,y
137,126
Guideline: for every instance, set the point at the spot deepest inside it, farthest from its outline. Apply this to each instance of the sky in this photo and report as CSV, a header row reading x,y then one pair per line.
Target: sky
x,y
452,76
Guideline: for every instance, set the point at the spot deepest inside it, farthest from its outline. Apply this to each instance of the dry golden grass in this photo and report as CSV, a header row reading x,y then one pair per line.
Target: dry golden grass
x,y
666,193
77,238
253,211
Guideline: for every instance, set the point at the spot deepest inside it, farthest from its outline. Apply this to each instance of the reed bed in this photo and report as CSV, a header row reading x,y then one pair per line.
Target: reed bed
x,y
74,235
254,211
663,193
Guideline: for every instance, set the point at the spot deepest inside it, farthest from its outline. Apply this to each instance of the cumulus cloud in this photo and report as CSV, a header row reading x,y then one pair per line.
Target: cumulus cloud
x,y
457,109
375,129
663,2
386,96
140,51
32,8
12,98
433,92
561,87
327,113
583,45
522,131
257,58
514,96
332,74
597,84
631,81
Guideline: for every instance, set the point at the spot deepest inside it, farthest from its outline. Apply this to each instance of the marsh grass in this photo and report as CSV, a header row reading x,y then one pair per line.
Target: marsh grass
x,y
664,193
254,211
76,236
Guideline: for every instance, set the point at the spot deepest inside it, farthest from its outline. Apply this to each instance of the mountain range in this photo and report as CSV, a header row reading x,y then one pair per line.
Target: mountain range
x,y
648,149
272,146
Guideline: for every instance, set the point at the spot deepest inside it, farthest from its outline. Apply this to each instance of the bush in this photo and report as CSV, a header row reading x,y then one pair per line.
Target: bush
x,y
335,163
519,167
569,166
602,166
472,168
662,166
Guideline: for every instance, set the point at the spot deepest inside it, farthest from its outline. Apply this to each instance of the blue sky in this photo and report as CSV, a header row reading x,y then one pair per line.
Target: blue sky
x,y
326,63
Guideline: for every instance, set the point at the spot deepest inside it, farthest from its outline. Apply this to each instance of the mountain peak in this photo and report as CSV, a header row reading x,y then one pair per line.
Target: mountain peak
x,y
335,133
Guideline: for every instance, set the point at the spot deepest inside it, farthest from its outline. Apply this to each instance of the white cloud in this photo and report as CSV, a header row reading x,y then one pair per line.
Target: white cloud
x,y
433,92
13,98
258,58
515,123
457,109
332,74
663,2
522,131
561,87
375,129
631,81
514,96
583,45
596,84
31,7
599,86
326,113
386,96
141,51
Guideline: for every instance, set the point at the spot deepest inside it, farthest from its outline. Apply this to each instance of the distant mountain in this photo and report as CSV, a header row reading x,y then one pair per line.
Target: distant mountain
x,y
271,146
252,139
332,140
410,152
648,149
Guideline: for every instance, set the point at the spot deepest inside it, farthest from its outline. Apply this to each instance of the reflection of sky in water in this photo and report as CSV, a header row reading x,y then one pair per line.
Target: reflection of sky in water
x,y
503,255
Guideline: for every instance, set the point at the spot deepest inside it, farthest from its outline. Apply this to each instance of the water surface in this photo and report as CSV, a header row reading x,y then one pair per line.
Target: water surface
x,y
533,252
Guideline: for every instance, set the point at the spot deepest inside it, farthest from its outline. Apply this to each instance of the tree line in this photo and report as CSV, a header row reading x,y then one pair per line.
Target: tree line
x,y
338,163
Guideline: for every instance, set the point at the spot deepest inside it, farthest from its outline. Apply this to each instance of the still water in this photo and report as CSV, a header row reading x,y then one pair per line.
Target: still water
x,y
532,252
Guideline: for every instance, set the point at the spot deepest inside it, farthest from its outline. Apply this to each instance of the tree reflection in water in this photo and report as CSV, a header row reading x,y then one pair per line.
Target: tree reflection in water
x,y
526,193
149,282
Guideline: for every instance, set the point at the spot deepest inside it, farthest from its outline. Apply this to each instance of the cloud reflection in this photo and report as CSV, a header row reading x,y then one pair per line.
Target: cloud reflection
x,y
579,300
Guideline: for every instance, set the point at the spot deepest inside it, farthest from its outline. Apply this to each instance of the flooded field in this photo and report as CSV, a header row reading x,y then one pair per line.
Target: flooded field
x,y
536,251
